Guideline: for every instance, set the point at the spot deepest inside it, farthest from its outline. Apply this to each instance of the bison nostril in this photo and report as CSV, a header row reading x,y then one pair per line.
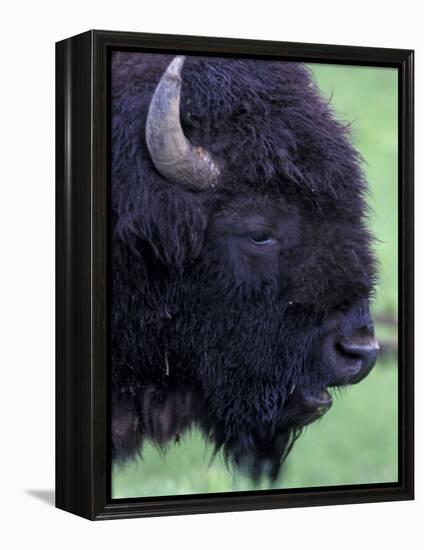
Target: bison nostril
x,y
359,355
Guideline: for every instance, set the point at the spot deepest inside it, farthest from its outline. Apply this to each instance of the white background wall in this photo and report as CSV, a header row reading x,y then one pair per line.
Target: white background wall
x,y
28,32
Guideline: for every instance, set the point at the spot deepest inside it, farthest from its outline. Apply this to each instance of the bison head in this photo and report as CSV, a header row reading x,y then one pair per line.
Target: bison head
x,y
242,265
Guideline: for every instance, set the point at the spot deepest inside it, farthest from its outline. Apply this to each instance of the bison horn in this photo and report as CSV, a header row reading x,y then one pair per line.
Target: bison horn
x,y
172,154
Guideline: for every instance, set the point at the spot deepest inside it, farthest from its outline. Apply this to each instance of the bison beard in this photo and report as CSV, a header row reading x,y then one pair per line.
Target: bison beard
x,y
236,304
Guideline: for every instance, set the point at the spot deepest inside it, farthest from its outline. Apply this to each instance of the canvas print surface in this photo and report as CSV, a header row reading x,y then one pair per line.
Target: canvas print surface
x,y
253,274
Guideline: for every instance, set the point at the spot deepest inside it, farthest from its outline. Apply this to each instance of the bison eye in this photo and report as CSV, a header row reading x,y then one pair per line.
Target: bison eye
x,y
262,238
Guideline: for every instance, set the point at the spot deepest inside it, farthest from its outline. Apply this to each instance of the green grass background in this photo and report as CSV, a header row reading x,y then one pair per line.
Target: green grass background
x,y
356,442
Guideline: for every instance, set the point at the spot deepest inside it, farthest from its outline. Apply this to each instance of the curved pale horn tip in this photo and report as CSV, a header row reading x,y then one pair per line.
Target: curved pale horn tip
x,y
174,68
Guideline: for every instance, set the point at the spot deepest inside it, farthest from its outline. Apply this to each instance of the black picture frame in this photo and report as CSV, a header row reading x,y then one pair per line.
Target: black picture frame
x,y
82,347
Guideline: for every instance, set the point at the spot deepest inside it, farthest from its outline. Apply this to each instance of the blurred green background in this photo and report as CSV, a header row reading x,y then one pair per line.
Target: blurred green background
x,y
356,442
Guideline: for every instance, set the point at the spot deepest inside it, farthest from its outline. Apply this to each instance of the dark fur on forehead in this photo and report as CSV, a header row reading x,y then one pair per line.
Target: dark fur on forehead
x,y
269,122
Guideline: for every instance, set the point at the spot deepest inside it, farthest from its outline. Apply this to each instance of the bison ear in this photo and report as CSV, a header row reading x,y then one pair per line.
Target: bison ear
x,y
173,225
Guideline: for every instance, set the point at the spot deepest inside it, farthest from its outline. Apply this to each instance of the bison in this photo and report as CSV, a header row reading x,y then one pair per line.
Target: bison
x,y
242,266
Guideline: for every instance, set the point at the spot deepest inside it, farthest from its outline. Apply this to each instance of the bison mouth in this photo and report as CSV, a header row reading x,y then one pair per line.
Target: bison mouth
x,y
310,407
